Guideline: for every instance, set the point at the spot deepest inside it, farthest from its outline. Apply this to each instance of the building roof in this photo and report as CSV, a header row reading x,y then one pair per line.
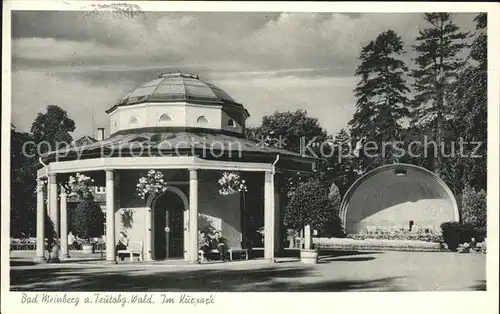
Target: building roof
x,y
84,140
174,87
165,142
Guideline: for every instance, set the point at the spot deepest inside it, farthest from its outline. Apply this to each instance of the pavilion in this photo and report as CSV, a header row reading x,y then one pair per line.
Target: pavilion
x,y
398,197
192,132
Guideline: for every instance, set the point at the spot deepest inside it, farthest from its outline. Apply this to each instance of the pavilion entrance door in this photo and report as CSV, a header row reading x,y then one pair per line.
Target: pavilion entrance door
x,y
168,227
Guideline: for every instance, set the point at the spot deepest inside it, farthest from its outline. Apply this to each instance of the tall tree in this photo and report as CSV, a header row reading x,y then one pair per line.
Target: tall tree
x,y
438,62
468,94
52,127
23,184
381,102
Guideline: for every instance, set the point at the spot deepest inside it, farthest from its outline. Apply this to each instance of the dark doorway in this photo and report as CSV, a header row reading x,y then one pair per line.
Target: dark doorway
x,y
168,227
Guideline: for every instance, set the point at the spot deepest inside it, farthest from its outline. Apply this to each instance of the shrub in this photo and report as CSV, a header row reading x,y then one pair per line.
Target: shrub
x,y
419,235
310,205
455,233
451,234
49,232
88,219
473,211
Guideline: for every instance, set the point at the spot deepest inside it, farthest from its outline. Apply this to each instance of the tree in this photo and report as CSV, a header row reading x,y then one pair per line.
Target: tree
x,y
293,131
381,102
473,209
311,205
342,164
23,185
52,127
288,130
469,120
438,63
88,219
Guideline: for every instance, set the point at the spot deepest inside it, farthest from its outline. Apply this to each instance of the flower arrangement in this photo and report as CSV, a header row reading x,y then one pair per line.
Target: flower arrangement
x,y
231,183
151,183
41,185
81,186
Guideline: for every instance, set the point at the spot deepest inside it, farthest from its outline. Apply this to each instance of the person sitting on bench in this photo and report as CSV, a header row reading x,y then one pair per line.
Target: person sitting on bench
x,y
72,242
219,244
122,244
203,243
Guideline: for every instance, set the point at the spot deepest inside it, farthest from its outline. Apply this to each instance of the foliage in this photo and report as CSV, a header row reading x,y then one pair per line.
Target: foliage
x,y
377,244
310,205
438,64
231,183
455,233
23,183
81,186
296,132
52,127
288,130
473,210
419,235
342,166
151,184
88,219
381,93
451,234
49,232
469,96
334,196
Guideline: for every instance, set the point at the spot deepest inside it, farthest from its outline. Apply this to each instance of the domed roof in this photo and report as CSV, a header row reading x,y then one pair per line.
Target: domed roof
x,y
172,87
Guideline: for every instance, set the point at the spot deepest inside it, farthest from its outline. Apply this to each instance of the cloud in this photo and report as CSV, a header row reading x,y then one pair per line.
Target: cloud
x,y
34,91
267,61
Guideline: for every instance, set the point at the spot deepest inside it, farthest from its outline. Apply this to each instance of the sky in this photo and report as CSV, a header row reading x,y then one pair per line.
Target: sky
x,y
85,62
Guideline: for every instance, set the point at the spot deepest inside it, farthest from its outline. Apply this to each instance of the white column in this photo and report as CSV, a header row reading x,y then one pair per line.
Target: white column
x,y
307,237
186,233
147,240
269,217
54,216
40,223
277,214
110,217
192,251
64,224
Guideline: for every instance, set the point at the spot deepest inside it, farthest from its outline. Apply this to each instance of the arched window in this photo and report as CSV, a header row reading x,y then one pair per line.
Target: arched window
x,y
231,123
165,118
133,121
202,120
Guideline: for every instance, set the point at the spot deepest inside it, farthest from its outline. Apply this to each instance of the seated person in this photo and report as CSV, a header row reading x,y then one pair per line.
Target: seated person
x,y
73,244
122,244
219,243
203,243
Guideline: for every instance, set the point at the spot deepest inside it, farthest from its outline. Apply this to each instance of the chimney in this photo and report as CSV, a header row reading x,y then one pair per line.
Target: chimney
x,y
100,134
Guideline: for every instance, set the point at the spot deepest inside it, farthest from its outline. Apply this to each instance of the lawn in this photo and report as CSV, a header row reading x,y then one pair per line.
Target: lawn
x,y
337,271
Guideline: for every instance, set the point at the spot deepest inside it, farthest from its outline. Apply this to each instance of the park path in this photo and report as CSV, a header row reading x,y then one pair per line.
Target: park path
x,y
359,271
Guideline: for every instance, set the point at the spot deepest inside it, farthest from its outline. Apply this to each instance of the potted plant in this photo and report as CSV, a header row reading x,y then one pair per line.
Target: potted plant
x,y
88,218
310,208
87,223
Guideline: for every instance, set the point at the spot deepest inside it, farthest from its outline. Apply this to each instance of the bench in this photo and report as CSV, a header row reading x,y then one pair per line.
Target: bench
x,y
231,251
134,247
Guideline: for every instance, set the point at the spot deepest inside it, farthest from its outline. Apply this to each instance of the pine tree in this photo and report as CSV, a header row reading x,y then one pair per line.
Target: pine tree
x,y
438,63
381,93
469,97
